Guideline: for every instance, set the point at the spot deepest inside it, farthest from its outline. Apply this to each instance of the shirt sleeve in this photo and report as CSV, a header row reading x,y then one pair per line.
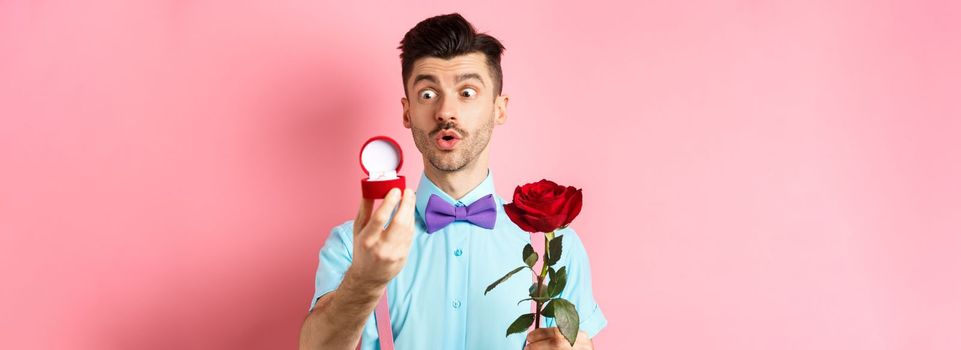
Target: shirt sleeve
x,y
578,289
335,258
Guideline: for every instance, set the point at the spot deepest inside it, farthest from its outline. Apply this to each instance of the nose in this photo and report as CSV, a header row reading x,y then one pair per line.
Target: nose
x,y
447,111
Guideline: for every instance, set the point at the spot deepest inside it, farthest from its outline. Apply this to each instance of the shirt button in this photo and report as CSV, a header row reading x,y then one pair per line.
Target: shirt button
x,y
458,252
456,304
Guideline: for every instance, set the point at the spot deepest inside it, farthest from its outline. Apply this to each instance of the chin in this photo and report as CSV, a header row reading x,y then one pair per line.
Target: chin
x,y
448,166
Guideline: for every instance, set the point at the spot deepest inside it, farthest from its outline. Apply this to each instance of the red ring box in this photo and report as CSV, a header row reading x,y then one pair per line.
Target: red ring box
x,y
381,159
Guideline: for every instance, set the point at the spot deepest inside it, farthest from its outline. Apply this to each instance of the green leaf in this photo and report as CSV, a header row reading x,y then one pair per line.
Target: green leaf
x,y
568,322
548,310
521,324
557,284
532,291
502,279
542,300
530,256
554,251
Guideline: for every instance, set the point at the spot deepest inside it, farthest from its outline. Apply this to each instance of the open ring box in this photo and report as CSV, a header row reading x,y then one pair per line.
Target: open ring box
x,y
381,158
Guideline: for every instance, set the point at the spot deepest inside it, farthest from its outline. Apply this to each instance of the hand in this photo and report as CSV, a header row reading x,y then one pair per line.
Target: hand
x,y
552,339
379,253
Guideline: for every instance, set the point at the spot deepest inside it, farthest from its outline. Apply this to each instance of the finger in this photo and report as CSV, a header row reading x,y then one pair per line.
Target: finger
x,y
548,344
556,340
542,334
363,214
403,220
583,339
380,216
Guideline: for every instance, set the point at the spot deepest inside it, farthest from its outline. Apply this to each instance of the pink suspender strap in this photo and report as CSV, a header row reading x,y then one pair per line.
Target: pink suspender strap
x,y
382,318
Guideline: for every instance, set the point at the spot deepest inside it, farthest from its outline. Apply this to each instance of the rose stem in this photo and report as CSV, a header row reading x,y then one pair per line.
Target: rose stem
x,y
540,279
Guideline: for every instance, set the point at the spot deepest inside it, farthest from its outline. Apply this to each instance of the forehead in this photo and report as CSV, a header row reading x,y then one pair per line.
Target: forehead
x,y
449,69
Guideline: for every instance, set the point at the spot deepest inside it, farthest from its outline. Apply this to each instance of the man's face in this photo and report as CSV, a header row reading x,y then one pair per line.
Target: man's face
x,y
451,108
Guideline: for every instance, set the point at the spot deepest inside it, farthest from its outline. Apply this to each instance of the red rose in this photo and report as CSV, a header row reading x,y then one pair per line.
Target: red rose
x,y
544,206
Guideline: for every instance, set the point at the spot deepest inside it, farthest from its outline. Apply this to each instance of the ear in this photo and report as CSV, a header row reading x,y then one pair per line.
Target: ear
x,y
500,109
406,106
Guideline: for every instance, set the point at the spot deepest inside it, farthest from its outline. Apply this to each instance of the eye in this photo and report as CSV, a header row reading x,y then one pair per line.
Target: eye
x,y
468,92
428,94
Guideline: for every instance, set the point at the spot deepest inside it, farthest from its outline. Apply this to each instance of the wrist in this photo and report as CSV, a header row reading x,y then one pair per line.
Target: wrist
x,y
359,285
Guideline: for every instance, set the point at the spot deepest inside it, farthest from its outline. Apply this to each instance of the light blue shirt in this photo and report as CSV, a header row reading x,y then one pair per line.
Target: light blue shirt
x,y
437,300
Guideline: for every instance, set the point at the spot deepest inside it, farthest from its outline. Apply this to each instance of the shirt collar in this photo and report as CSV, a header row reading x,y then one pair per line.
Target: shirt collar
x,y
427,187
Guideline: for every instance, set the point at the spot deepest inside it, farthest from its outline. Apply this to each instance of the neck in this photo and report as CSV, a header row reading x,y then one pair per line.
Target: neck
x,y
458,183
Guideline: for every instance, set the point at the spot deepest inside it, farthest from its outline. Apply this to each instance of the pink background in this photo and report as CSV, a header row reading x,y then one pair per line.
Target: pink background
x,y
756,175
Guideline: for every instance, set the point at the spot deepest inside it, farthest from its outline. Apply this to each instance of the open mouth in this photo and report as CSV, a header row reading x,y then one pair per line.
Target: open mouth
x,y
447,140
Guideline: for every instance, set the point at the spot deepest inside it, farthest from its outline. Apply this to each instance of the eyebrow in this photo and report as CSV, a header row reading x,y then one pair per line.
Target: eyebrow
x,y
466,76
460,78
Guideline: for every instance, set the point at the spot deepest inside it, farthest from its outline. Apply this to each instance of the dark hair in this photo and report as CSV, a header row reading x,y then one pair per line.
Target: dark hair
x,y
445,37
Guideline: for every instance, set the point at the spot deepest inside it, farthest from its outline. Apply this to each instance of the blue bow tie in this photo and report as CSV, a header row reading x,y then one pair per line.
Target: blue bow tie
x,y
439,213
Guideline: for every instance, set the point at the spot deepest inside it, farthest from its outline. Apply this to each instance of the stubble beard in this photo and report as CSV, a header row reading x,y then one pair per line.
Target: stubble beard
x,y
468,149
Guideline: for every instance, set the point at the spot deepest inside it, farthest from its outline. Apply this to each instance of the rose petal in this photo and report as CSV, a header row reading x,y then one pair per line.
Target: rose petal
x,y
542,223
544,206
518,218
528,208
574,203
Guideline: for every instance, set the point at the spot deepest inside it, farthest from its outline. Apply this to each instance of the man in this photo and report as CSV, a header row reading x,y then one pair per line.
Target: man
x,y
436,276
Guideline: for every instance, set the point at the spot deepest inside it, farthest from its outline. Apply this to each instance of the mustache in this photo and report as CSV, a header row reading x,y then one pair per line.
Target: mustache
x,y
446,126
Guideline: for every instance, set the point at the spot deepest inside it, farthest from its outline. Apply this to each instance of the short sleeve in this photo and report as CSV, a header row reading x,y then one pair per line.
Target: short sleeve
x,y
578,289
335,258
